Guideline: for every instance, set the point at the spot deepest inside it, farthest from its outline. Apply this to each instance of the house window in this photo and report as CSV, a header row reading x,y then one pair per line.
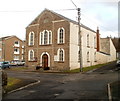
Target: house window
x,y
31,55
95,57
87,40
61,55
16,57
61,35
16,50
16,44
31,38
88,57
45,37
95,42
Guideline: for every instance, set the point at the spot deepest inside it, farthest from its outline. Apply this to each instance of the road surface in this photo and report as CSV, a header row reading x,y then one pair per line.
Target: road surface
x,y
66,86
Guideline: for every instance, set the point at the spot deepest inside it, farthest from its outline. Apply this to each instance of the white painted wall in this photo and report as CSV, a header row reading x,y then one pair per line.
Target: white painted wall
x,y
91,49
73,63
112,52
74,48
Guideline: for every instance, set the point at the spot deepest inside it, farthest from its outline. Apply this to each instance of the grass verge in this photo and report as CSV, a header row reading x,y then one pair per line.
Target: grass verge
x,y
85,69
14,83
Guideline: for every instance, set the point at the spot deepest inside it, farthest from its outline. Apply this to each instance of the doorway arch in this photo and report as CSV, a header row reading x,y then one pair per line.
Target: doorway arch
x,y
45,60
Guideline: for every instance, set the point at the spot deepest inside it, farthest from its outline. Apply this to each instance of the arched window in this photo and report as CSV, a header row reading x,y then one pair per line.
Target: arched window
x,y
95,42
95,57
31,55
31,38
61,55
61,35
87,56
45,37
87,39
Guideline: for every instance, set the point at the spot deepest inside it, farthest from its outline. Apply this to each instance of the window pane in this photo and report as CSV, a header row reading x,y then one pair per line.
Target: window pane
x,y
41,38
16,42
45,37
87,56
31,55
31,38
61,55
61,36
50,37
88,40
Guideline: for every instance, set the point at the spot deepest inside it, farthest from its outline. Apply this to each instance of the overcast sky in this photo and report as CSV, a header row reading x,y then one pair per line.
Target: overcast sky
x,y
16,15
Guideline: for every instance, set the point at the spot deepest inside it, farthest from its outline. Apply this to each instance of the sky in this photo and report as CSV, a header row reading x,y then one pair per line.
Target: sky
x,y
16,15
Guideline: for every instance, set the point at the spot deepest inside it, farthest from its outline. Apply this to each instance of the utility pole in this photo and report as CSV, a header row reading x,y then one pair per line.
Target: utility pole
x,y
79,35
80,40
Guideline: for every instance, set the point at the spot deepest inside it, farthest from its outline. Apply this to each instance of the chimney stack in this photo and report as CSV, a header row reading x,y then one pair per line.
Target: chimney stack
x,y
98,39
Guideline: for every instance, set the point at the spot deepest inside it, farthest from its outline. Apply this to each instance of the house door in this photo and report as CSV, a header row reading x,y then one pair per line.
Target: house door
x,y
45,61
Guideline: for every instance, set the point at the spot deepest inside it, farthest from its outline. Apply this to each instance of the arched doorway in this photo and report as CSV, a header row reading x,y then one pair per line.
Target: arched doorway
x,y
45,61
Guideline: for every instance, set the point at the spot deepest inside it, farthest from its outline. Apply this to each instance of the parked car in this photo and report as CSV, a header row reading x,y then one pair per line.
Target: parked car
x,y
21,63
118,63
4,64
17,63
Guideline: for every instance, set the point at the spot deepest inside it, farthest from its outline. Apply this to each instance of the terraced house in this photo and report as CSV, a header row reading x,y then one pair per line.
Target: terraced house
x,y
52,40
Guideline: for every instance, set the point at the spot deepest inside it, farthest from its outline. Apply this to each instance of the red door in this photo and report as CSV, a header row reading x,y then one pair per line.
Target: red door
x,y
45,61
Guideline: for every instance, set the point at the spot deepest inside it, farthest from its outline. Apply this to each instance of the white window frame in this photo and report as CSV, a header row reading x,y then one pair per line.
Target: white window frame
x,y
95,60
49,39
17,52
29,43
88,56
58,53
58,36
17,45
29,55
16,57
88,40
95,42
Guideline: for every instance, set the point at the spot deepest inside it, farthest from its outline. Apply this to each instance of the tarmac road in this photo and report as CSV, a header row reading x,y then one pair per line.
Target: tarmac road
x,y
78,86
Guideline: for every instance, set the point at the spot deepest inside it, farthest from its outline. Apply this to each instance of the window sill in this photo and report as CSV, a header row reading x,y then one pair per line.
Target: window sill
x,y
46,45
60,61
61,43
32,60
